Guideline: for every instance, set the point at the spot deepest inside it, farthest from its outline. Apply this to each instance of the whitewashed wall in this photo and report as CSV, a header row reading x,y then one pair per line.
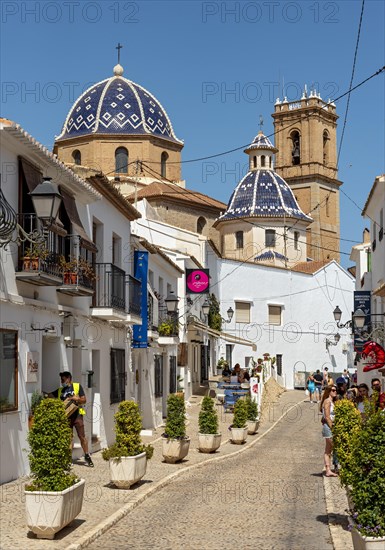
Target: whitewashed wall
x,y
307,304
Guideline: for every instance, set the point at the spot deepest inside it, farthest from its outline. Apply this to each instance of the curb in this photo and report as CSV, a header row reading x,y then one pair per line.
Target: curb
x,y
127,508
341,540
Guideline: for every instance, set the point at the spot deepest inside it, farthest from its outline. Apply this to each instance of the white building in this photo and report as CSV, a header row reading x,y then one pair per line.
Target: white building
x,y
53,320
369,258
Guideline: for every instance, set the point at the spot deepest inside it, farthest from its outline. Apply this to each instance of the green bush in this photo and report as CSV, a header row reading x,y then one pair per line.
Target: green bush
x,y
240,414
176,419
347,423
36,399
128,424
252,409
50,448
208,418
368,480
214,318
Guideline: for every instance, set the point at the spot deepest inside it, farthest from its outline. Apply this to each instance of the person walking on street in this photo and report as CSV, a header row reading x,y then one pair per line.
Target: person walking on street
x,y
310,385
327,410
346,376
74,391
378,396
318,380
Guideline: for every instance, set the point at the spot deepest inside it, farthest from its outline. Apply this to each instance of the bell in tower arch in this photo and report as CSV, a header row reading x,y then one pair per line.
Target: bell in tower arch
x,y
296,152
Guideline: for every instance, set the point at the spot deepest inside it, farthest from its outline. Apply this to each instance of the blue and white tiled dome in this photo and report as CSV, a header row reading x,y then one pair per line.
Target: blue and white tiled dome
x,y
263,194
261,142
117,106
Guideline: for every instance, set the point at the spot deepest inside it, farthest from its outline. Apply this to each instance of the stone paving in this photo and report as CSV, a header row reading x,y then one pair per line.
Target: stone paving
x,y
269,472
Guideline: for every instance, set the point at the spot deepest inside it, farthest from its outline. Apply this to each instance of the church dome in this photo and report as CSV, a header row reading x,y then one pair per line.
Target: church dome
x,y
117,106
263,194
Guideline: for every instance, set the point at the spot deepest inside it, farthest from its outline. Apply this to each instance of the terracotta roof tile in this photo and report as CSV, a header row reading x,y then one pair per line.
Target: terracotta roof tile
x,y
176,192
310,267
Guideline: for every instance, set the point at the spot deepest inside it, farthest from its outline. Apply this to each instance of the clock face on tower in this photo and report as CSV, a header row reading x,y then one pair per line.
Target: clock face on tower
x,y
197,281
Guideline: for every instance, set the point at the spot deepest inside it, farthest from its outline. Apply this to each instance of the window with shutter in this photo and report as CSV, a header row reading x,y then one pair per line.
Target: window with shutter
x,y
275,314
242,312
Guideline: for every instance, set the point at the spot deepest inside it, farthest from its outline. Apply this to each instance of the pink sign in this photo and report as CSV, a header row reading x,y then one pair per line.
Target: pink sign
x,y
197,281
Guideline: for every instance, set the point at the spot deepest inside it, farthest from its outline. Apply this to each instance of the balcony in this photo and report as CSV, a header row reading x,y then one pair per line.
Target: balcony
x,y
117,295
76,262
76,283
38,263
168,328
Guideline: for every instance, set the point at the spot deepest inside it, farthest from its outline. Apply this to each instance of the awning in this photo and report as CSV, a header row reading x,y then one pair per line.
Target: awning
x,y
224,335
380,291
77,226
32,175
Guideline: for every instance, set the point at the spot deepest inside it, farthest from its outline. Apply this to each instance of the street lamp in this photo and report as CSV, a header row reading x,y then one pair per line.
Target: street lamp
x,y
357,320
337,338
206,307
171,302
46,201
230,313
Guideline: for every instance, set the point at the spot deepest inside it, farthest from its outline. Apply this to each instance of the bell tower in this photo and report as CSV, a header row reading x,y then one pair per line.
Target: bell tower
x,y
306,139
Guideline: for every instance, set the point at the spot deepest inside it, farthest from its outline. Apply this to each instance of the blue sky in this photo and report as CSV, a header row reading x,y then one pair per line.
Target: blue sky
x,y
215,67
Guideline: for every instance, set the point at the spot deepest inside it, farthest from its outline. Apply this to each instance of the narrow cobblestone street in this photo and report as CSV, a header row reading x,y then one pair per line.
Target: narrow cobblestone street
x,y
269,497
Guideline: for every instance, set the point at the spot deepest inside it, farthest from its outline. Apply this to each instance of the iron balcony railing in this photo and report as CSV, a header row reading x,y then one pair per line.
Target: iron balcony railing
x,y
43,255
114,288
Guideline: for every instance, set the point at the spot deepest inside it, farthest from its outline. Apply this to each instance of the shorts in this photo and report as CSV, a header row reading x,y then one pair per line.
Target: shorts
x,y
326,432
78,424
318,389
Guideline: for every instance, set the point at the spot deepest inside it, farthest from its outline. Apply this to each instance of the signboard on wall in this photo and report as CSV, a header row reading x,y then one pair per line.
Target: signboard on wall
x,y
139,333
362,301
197,281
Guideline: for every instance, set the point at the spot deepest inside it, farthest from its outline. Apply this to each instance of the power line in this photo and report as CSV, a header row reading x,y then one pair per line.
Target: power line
x,y
351,82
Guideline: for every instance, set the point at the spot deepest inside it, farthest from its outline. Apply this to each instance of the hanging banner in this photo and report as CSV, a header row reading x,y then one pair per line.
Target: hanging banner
x,y
139,339
197,281
362,301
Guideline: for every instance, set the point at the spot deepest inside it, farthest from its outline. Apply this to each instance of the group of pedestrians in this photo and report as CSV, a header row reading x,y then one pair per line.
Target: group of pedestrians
x,y
358,395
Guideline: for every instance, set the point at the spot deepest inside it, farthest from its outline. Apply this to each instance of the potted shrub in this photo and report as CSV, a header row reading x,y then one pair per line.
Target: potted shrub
x,y
368,466
238,428
168,327
36,399
33,255
127,456
346,424
252,416
54,495
209,440
175,443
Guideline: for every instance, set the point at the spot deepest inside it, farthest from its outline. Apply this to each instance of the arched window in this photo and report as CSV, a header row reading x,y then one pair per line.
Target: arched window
x,y
325,142
239,239
263,161
271,162
296,147
254,162
121,160
77,157
270,238
201,222
163,164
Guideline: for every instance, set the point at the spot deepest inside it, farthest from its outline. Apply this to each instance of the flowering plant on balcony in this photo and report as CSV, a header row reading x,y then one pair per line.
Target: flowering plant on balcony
x,y
77,266
168,327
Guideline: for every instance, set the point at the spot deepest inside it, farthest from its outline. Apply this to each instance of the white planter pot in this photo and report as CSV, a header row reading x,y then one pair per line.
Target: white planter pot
x,y
209,443
365,543
49,511
238,435
127,470
175,450
252,426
